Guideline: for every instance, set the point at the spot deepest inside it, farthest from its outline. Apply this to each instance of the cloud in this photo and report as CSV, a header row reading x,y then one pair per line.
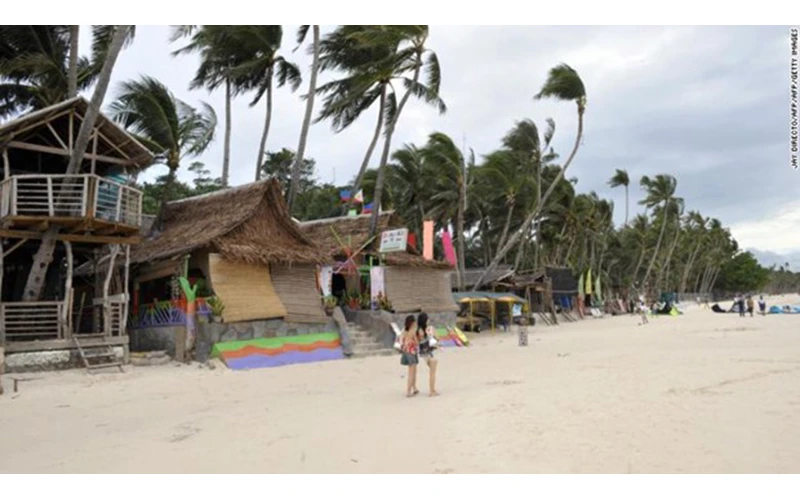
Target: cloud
x,y
706,104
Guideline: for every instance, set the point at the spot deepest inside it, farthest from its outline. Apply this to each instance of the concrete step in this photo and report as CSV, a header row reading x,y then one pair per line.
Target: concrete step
x,y
382,352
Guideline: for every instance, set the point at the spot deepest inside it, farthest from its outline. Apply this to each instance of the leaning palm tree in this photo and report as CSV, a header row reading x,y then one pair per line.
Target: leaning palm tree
x,y
621,178
44,255
312,90
412,54
40,65
167,126
563,83
368,70
259,68
449,168
216,45
660,192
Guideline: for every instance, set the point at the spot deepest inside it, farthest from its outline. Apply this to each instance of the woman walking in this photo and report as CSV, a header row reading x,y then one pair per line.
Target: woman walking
x,y
409,345
425,336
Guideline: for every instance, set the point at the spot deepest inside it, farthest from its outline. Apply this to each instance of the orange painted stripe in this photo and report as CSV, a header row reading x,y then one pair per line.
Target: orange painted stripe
x,y
251,349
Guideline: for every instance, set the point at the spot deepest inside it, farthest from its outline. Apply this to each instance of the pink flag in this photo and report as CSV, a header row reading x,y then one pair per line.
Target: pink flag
x,y
427,240
449,251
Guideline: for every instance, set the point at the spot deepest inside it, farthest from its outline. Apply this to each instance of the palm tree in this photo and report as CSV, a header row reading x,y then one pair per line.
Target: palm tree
x,y
312,90
44,255
260,67
563,83
449,168
660,191
415,56
40,64
167,126
621,178
219,53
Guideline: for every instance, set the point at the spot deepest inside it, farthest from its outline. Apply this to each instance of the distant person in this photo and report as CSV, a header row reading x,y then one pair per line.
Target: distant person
x,y
740,305
762,305
426,340
751,306
643,311
409,356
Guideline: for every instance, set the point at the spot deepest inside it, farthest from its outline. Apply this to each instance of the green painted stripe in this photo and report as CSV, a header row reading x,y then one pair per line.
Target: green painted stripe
x,y
273,343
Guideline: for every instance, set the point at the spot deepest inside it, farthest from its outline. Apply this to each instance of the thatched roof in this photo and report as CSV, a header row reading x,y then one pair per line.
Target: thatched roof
x,y
249,223
112,136
354,233
471,276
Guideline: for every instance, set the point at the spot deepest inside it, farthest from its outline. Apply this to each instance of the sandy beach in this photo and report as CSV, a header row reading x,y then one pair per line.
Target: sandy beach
x,y
698,393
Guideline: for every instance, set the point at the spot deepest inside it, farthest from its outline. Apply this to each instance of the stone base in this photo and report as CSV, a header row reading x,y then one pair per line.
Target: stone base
x,y
39,361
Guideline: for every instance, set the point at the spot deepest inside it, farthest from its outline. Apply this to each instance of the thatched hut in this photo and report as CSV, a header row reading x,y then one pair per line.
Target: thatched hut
x,y
242,244
411,282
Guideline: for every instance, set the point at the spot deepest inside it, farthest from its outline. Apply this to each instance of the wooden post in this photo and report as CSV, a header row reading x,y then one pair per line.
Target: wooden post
x,y
67,292
6,165
124,322
106,284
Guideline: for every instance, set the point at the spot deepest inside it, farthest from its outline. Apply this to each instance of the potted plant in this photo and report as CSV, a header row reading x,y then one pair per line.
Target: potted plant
x,y
329,303
217,308
354,301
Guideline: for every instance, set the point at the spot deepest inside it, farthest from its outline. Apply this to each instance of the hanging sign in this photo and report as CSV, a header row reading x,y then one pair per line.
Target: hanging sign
x,y
325,279
394,240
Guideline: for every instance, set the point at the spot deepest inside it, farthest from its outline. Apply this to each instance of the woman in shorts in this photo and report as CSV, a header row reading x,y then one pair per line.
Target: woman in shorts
x,y
409,347
425,333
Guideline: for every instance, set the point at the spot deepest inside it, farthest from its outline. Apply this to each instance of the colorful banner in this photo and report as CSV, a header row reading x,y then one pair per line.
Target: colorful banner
x,y
449,251
376,283
325,280
589,282
427,239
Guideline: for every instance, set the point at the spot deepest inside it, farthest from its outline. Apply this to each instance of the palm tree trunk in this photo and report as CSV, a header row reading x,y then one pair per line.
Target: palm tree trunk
x,y
658,246
226,147
462,245
627,204
506,226
368,156
301,146
387,146
687,271
44,255
72,77
667,264
518,234
263,144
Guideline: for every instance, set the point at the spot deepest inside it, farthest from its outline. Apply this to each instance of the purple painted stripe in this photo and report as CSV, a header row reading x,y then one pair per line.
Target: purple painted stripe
x,y
288,358
447,343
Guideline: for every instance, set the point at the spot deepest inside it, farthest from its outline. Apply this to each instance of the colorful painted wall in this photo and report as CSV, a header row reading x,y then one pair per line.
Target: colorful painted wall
x,y
279,351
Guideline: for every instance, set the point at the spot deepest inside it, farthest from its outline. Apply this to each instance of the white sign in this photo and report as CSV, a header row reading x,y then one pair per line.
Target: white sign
x,y
394,241
376,283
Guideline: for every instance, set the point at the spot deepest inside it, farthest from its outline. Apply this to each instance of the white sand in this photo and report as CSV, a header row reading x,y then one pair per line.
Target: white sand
x,y
703,392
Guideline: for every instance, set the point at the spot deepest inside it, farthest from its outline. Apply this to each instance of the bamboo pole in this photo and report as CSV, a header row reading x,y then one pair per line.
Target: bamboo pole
x,y
106,284
124,319
67,291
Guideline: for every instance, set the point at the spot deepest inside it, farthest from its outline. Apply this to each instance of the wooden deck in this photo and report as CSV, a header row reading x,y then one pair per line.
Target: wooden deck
x,y
86,207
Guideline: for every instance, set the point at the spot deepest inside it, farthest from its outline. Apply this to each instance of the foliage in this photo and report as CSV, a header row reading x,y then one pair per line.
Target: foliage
x,y
278,164
216,306
742,274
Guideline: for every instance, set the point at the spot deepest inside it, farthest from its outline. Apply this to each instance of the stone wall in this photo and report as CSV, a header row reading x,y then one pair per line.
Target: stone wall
x,y
60,359
157,338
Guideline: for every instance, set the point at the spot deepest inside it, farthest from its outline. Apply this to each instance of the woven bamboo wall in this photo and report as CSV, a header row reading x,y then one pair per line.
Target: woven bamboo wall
x,y
412,289
296,286
246,290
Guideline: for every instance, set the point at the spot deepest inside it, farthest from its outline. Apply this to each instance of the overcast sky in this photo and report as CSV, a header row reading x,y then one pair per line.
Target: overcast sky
x,y
709,105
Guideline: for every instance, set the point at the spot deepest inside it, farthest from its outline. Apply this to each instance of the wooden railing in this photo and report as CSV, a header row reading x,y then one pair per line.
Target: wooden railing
x,y
78,196
25,320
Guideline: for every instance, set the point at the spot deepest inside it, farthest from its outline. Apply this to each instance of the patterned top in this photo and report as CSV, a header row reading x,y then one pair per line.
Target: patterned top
x,y
409,344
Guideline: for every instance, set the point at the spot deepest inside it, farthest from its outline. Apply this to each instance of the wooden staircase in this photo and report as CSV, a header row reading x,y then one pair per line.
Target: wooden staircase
x,y
99,355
